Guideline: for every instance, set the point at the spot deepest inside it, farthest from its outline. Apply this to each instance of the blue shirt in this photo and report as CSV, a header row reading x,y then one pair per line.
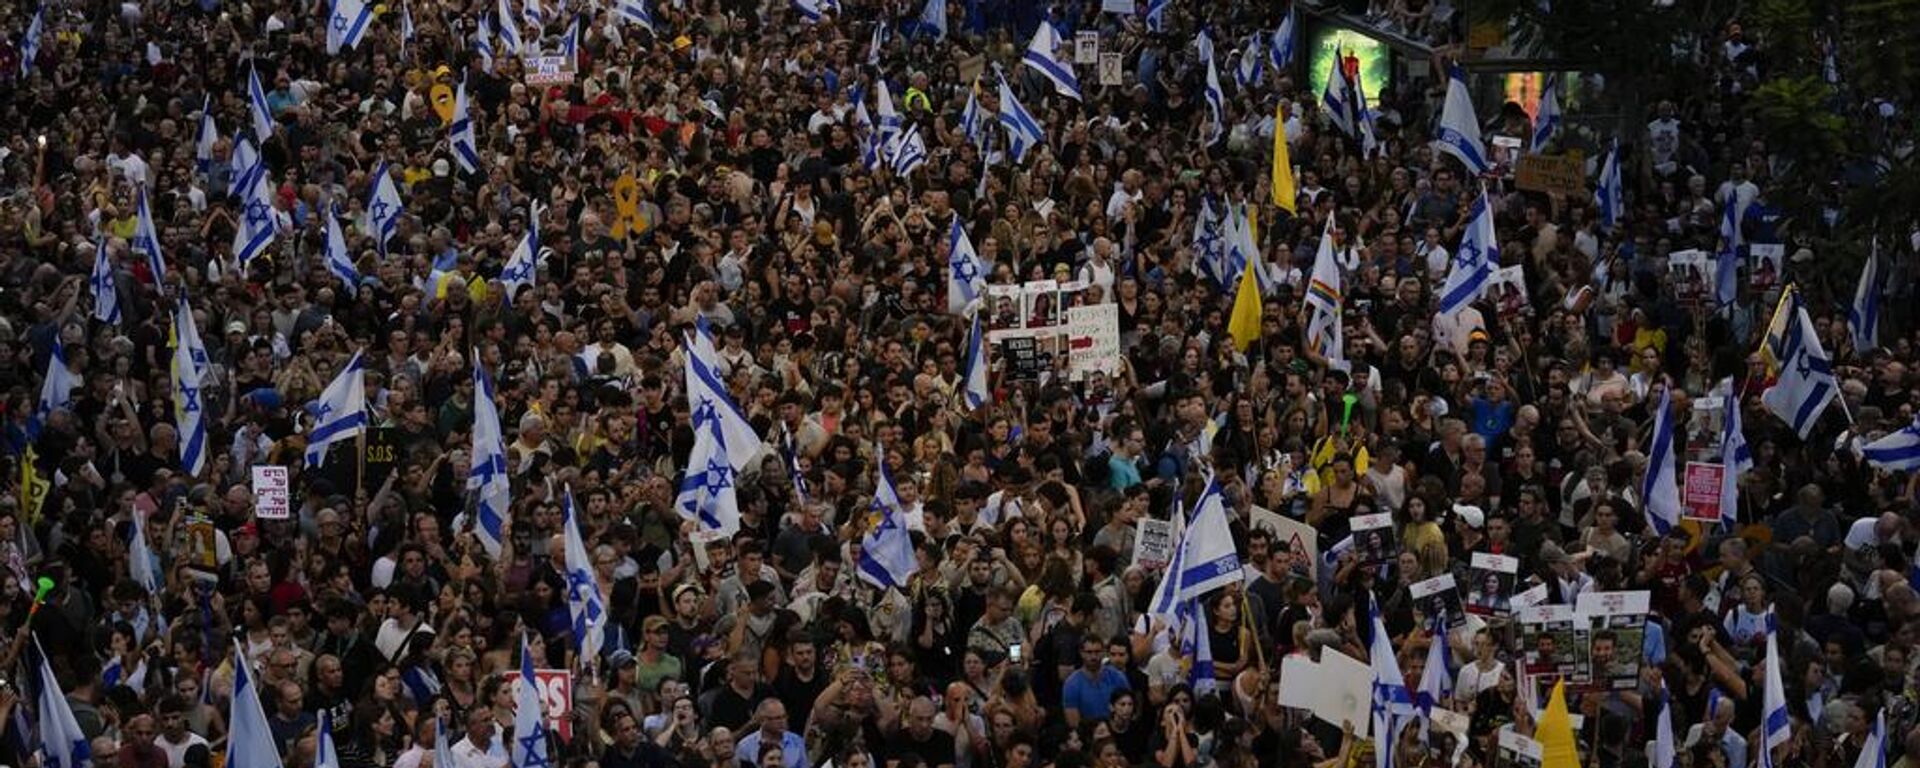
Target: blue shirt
x,y
793,749
1091,697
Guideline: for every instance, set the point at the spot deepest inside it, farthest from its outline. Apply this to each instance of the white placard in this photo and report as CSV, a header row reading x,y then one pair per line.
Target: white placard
x,y
1086,47
1110,73
1117,6
1612,603
271,498
1093,340
1338,689
1152,543
1433,586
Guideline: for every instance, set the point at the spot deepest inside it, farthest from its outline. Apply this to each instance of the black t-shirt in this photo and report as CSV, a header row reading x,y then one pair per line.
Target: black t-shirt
x,y
726,708
799,694
935,750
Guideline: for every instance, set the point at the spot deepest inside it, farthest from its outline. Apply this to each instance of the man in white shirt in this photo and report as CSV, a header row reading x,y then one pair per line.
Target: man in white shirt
x,y
174,738
481,748
1483,673
1127,191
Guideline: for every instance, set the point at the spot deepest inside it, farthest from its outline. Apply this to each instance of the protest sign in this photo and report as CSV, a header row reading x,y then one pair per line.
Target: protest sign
x,y
272,499
1294,540
1769,259
1373,538
1152,543
556,696
1086,47
1004,304
1093,340
1491,587
1024,361
1550,174
1701,492
1554,639
1335,689
549,70
1615,645
1110,73
1687,270
1439,596
1508,290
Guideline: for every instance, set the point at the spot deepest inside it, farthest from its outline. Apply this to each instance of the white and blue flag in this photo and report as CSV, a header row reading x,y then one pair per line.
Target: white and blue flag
x,y
106,296
1043,55
973,119
1216,105
205,137
1023,131
1660,489
586,606
1391,699
62,743
442,748
1251,63
933,19
406,28
523,267
56,392
976,393
1776,725
886,551
487,474
1608,195
30,43
529,717
570,45
1662,752
250,740
1546,121
1735,457
1436,679
383,208
637,12
257,105
142,566
707,494
146,237
466,150
1726,260
1196,644
535,16
1338,99
259,221
1459,132
339,260
1474,261
1873,751
1863,316
909,154
244,163
1280,49
511,42
325,755
1896,452
710,403
1165,605
966,273
189,365
347,24
1208,558
1157,14
483,43
340,413
1806,383
892,125
812,11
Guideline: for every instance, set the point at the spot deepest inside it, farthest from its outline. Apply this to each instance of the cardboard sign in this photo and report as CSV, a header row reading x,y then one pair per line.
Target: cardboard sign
x,y
1337,689
549,70
1700,492
1551,174
383,454
1439,596
1110,73
1093,340
1689,272
556,697
1508,290
1086,47
1616,644
1152,543
271,497
1023,358
1491,587
1292,539
1373,541
202,543
972,67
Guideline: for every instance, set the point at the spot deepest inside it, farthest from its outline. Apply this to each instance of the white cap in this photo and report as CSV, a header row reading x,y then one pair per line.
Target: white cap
x,y
1474,516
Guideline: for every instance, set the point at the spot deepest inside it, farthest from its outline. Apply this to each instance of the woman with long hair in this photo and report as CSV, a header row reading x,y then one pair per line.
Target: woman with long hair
x,y
375,738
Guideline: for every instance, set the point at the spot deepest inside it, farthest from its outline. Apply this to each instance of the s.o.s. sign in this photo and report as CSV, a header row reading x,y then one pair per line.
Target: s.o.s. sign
x,y
556,698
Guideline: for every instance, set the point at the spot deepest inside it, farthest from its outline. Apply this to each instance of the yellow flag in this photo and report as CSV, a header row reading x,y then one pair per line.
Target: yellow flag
x,y
1244,325
1777,328
1555,733
1284,192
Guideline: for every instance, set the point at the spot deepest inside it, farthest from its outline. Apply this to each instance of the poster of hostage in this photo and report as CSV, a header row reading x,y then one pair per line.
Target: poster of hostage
x,y
1554,642
1615,644
1490,584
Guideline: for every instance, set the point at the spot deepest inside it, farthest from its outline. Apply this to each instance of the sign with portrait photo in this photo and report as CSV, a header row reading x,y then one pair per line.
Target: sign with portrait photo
x,y
1373,540
1490,589
1615,646
1439,596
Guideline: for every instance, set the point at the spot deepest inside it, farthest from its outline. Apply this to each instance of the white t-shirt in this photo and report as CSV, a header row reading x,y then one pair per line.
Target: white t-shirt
x,y
1862,535
1471,680
177,753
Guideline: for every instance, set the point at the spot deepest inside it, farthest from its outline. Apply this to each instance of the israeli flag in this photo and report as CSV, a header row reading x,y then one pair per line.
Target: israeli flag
x,y
1197,646
535,16
1776,725
340,413
1873,751
523,266
466,149
406,28
1662,753
1897,452
790,458
1157,15
1660,490
1165,604
339,261
977,394
510,40
1208,559
245,164
1726,262
712,407
1806,383
1281,48
1547,120
30,44
812,11
636,11
1203,43
383,208
707,494
1391,699
142,567
324,753
347,24
1459,133
106,298
1338,99
257,105
1474,261
966,273
250,741
1608,195
1863,316
1735,458
189,365
933,19
586,606
1252,64
1043,56
886,551
1216,105
529,718
487,476
442,748
62,743
570,45
910,154
259,222
204,138
891,124
1023,131
869,140
482,44
1363,119
146,237
973,119
1436,680
876,45
56,392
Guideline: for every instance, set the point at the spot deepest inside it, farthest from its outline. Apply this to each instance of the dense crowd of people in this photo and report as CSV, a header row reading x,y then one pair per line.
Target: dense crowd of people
x,y
707,168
